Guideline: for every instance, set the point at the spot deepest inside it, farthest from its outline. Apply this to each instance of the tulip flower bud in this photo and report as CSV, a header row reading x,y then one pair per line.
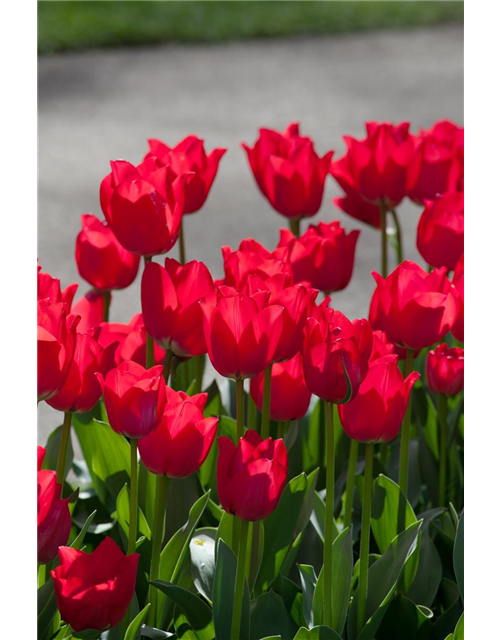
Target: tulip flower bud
x,y
458,289
94,590
49,287
131,340
53,518
252,259
445,370
251,476
357,207
381,346
90,308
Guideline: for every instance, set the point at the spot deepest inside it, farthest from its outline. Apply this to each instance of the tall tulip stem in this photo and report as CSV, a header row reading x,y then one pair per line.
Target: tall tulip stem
x,y
295,226
132,533
161,493
240,409
383,235
182,251
63,447
240,580
365,537
167,364
282,428
405,433
330,489
399,236
252,413
150,345
106,295
443,446
349,490
266,404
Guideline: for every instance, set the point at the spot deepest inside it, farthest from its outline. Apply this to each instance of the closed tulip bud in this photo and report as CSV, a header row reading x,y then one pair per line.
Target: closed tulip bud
x,y
94,590
241,331
440,234
40,455
170,309
376,413
82,390
189,156
445,370
251,476
415,309
56,337
131,340
252,259
357,207
101,259
377,167
290,396
336,354
322,256
143,206
458,289
53,518
134,398
90,308
381,346
288,171
49,287
181,442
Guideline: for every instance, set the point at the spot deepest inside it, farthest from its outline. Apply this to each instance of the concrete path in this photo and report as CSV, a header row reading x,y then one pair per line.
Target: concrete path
x,y
103,105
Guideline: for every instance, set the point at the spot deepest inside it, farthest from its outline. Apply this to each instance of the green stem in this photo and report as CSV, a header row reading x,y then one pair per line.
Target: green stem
x,y
199,360
132,533
399,236
405,432
167,363
252,413
107,301
161,492
150,345
282,427
240,409
330,489
383,230
63,447
295,226
365,537
42,574
349,490
384,454
443,448
266,403
240,581
182,252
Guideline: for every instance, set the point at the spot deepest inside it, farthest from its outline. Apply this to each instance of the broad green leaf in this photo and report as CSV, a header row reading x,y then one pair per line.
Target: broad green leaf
x,y
202,551
223,595
385,509
123,514
317,633
52,451
458,634
308,581
292,597
147,493
458,556
403,620
78,541
430,569
383,577
318,518
268,615
134,628
155,634
193,607
342,568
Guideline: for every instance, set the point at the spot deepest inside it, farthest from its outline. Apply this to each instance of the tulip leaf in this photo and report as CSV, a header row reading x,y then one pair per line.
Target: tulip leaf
x,y
147,492
202,551
387,497
155,634
197,612
317,633
52,452
223,595
134,628
123,514
78,541
342,568
458,556
403,620
318,518
308,581
383,577
458,634
268,614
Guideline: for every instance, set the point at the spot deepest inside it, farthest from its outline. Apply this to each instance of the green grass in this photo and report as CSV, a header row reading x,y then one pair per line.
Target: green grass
x,y
64,26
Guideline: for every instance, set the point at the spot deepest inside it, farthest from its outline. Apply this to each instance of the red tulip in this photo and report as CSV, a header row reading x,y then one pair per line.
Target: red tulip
x,y
180,444
413,307
377,167
101,259
170,296
134,398
440,235
445,370
322,256
376,413
94,590
251,477
251,258
357,207
40,455
143,206
336,353
132,341
56,345
288,171
49,287
381,346
53,518
90,308
290,396
241,331
458,288
82,390
189,156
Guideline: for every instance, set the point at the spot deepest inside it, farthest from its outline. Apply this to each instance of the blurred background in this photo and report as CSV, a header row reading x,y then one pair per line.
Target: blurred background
x,y
113,74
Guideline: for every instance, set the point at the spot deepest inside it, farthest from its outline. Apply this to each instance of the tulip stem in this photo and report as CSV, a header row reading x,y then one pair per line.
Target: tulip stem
x,y
365,537
349,490
399,236
167,362
63,448
295,226
443,448
252,413
132,533
266,404
150,345
199,360
240,409
106,295
405,436
182,252
330,489
383,230
240,580
282,425
161,493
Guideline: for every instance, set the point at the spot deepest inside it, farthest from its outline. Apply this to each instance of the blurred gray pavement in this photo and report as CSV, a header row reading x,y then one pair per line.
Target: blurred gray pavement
x,y
102,105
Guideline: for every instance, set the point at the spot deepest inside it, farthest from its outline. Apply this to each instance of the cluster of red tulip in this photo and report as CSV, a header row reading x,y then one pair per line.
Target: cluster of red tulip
x,y
263,322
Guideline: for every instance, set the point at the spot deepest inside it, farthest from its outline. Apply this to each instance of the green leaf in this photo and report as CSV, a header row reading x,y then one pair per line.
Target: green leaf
x,y
403,620
193,607
202,551
383,577
155,634
134,629
342,568
268,615
308,581
123,514
223,595
78,541
385,509
147,492
458,556
292,597
458,634
318,518
52,452
317,633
